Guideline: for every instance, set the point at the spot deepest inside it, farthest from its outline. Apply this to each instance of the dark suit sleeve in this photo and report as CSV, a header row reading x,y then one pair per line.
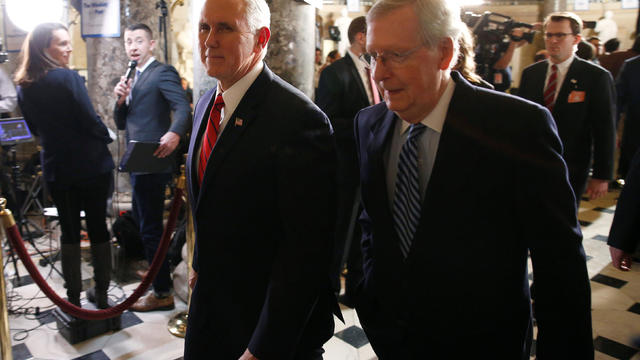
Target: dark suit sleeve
x,y
625,228
299,280
83,110
601,113
562,291
622,87
171,89
120,115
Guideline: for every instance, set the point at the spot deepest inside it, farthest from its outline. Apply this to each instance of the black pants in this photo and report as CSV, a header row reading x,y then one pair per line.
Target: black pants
x,y
89,195
148,207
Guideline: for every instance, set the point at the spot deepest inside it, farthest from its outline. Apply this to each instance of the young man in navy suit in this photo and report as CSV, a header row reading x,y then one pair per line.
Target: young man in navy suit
x,y
143,107
450,188
581,98
261,182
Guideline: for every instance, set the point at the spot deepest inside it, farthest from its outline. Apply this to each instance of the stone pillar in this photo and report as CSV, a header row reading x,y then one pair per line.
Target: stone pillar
x,y
107,62
291,51
553,6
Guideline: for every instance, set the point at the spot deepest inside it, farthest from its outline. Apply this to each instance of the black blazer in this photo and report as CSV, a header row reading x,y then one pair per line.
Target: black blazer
x,y
625,228
264,222
581,125
629,104
498,190
154,97
341,94
74,139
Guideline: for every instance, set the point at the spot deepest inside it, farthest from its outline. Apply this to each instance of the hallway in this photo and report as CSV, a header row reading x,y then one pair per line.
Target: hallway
x,y
615,303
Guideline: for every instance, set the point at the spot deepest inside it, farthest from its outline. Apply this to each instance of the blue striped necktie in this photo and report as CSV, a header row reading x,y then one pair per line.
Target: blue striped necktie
x,y
407,199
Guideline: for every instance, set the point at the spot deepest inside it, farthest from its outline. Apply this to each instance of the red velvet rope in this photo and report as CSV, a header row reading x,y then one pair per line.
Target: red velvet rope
x,y
18,244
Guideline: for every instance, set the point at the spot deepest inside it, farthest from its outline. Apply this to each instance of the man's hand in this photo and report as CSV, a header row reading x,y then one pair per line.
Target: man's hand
x,y
122,89
193,277
247,356
168,143
597,188
620,259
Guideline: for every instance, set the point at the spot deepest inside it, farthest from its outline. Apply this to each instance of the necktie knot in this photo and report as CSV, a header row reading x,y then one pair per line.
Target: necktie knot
x,y
219,103
415,130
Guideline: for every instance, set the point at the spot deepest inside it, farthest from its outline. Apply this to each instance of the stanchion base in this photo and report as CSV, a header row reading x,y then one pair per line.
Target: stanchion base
x,y
75,330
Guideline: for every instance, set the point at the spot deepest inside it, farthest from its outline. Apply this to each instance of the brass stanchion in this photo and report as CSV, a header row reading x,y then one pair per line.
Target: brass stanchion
x,y
5,338
178,323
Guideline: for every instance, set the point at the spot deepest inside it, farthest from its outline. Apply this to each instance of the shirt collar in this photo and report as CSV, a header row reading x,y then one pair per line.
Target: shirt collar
x,y
356,61
563,66
435,119
146,65
233,95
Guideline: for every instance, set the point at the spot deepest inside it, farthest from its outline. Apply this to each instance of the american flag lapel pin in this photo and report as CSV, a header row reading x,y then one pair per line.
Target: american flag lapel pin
x,y
239,121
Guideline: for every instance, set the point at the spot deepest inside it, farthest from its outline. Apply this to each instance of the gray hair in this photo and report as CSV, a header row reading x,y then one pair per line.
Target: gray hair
x,y
438,19
258,14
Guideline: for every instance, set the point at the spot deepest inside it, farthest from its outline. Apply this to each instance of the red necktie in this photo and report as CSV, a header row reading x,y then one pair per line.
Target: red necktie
x,y
210,135
373,87
550,90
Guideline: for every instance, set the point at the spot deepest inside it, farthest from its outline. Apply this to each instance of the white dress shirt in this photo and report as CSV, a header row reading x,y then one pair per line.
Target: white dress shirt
x,y
563,68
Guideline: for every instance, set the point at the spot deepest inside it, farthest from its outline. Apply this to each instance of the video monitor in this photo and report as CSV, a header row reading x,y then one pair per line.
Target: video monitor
x,y
14,131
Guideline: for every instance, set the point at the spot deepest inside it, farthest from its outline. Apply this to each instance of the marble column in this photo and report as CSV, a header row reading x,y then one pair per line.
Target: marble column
x,y
553,6
291,50
107,62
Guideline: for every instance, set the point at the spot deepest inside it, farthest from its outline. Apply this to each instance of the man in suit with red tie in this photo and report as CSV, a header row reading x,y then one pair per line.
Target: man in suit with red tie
x,y
261,184
452,175
581,98
345,88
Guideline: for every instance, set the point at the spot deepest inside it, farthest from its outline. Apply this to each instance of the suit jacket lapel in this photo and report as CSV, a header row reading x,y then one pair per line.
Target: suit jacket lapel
x,y
242,118
200,119
381,135
355,75
144,76
455,160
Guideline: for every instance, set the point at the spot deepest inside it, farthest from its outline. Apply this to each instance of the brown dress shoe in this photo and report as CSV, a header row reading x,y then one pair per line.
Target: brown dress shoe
x,y
142,273
150,302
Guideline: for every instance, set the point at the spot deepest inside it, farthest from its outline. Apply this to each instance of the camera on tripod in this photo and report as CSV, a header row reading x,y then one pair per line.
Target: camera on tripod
x,y
493,28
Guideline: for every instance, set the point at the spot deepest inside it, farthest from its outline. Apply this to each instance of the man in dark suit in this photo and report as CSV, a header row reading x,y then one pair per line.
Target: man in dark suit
x,y
624,235
580,96
449,181
345,88
260,170
629,105
144,106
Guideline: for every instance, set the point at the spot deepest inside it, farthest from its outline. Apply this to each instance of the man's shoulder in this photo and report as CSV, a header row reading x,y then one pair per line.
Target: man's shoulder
x,y
371,115
537,66
632,63
588,67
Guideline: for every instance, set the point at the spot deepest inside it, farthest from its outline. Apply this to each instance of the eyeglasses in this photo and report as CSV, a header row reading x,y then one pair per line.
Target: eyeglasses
x,y
392,58
559,36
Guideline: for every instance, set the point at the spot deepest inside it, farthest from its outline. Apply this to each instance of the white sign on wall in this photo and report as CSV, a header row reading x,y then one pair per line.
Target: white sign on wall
x,y
579,5
629,4
101,18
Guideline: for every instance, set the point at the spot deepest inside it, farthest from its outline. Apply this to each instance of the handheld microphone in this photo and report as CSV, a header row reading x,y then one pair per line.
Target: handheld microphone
x,y
129,74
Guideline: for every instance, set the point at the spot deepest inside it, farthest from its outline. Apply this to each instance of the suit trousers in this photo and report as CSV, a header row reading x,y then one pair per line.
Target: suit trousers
x,y
148,207
89,195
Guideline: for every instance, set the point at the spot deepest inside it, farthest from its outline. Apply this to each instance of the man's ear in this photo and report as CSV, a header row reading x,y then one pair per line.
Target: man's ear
x,y
445,49
264,34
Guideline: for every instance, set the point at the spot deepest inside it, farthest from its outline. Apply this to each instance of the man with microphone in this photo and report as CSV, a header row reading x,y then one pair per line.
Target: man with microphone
x,y
146,96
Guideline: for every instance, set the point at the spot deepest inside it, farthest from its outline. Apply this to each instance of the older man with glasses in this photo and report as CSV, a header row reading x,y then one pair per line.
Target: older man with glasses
x,y
452,175
580,95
